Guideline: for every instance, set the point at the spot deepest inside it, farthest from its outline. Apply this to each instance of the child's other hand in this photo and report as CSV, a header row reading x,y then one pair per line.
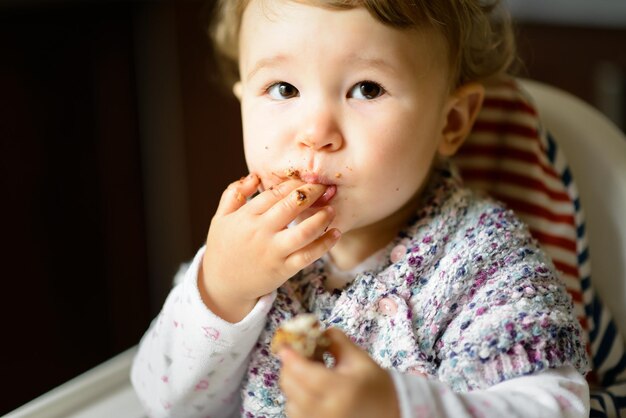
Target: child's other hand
x,y
250,252
355,388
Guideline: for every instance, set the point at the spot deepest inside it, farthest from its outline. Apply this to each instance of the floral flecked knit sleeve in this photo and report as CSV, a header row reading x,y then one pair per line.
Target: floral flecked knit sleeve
x,y
508,313
190,362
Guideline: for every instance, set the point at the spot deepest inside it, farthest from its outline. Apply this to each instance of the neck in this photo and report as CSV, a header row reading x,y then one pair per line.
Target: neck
x,y
358,244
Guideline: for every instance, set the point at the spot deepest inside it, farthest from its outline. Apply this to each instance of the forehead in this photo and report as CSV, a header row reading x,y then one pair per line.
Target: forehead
x,y
299,28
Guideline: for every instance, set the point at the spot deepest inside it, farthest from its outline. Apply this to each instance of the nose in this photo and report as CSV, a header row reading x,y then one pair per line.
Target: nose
x,y
320,132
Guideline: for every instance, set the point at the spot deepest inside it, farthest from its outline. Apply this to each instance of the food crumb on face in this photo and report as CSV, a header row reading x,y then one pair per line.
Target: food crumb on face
x,y
292,173
338,175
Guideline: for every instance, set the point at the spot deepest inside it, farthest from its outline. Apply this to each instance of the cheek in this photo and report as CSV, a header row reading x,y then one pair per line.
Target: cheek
x,y
256,145
263,137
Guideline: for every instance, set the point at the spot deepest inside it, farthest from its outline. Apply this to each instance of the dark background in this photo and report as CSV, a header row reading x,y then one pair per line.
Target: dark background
x,y
115,144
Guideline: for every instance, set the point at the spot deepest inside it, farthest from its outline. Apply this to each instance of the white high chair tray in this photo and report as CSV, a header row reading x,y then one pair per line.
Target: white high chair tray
x,y
102,392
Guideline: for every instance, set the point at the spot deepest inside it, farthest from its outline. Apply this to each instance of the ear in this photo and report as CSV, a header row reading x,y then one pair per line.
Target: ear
x,y
237,90
461,111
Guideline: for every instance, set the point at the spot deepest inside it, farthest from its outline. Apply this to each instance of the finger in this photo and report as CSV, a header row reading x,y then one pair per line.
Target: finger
x,y
295,393
293,410
299,374
306,231
308,254
286,210
342,348
236,194
274,194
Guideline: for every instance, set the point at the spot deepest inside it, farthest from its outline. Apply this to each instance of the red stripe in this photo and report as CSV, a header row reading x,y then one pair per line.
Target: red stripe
x,y
500,151
515,104
535,210
505,128
503,176
566,268
548,239
577,296
583,322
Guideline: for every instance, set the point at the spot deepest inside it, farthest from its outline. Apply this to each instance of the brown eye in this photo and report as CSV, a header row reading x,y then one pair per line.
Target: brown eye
x,y
366,90
282,91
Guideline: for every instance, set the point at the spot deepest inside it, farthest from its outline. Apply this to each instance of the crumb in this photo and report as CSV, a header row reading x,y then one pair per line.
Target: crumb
x,y
300,197
337,175
240,197
292,173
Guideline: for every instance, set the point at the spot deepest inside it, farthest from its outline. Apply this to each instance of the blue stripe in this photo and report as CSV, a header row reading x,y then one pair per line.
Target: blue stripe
x,y
611,374
583,256
600,399
551,148
580,231
618,401
585,283
605,346
577,205
596,315
566,177
594,413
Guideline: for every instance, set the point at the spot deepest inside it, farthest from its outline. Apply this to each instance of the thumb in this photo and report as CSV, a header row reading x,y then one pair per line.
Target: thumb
x,y
342,348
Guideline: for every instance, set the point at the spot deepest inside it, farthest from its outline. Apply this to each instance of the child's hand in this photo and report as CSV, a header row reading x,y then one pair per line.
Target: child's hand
x,y
249,250
355,388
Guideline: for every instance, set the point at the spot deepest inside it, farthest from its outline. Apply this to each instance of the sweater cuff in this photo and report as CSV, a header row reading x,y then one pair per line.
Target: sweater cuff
x,y
214,325
414,395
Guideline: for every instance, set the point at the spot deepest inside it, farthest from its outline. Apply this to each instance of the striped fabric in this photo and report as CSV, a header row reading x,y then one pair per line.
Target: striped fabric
x,y
510,156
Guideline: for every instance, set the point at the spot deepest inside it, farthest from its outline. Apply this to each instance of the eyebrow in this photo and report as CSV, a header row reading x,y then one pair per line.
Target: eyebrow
x,y
268,62
278,59
373,62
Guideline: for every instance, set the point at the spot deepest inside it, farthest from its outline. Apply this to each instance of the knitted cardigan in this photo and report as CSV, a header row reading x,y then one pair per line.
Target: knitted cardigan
x,y
462,294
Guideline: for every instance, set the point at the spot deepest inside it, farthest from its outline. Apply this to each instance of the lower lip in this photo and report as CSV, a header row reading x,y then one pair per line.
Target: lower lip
x,y
326,197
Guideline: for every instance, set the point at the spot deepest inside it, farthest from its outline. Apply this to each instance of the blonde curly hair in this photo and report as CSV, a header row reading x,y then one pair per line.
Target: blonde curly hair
x,y
479,33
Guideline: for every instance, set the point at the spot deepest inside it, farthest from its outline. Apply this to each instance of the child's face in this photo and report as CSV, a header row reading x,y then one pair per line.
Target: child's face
x,y
345,101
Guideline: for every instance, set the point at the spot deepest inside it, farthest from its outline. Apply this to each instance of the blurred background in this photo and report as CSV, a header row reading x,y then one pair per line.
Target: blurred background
x,y
116,141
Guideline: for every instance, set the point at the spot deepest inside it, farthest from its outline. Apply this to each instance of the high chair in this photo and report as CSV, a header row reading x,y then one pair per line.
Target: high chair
x,y
596,152
536,147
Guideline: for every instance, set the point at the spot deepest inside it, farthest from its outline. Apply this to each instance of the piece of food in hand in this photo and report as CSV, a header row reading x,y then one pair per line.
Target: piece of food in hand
x,y
303,334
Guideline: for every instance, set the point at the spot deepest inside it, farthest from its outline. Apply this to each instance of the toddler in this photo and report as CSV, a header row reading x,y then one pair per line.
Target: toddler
x,y
438,301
